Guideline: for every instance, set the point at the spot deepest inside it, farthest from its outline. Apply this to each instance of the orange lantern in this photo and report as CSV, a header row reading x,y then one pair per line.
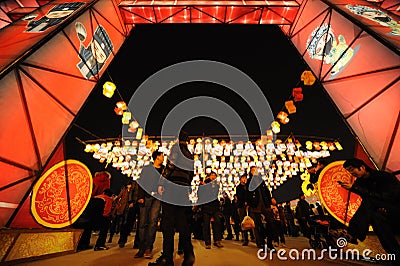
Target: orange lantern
x,y
108,89
290,107
283,117
120,108
133,126
297,94
308,78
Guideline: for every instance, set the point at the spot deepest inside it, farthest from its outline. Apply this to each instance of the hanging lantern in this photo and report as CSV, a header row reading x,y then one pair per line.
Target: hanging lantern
x,y
276,127
126,117
139,133
290,107
283,117
309,145
108,89
338,146
297,94
133,126
88,148
120,108
308,78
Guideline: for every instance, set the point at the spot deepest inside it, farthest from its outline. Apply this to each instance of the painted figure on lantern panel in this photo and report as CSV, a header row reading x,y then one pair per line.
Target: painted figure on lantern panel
x,y
323,45
377,16
55,16
96,53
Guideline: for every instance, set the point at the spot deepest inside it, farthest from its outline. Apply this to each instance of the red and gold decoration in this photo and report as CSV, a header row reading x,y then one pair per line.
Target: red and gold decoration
x,y
70,182
339,202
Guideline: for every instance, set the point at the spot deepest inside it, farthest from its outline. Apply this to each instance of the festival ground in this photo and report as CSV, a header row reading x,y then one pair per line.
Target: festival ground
x,y
232,254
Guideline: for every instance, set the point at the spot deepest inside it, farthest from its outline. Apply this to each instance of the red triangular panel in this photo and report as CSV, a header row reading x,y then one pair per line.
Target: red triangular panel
x,y
24,218
58,156
58,49
235,12
165,14
270,17
217,12
303,38
349,94
146,13
10,174
10,199
15,136
249,18
49,119
381,120
393,163
287,14
285,28
308,13
51,82
105,8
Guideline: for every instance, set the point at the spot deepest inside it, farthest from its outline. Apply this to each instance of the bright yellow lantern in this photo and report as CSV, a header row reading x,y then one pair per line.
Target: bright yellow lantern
x,y
108,89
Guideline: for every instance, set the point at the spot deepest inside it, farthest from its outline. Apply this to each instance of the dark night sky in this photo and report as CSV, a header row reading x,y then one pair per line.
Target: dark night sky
x,y
263,52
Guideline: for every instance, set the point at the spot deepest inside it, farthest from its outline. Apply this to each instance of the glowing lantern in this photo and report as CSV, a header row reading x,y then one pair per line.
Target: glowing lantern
x,y
297,94
276,127
307,77
309,145
290,107
88,148
283,117
126,117
139,133
324,145
120,108
133,126
317,145
338,146
108,89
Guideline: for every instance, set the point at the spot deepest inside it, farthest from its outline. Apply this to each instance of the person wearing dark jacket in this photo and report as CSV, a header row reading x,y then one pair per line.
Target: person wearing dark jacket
x,y
380,193
259,201
241,193
212,210
303,213
175,205
149,205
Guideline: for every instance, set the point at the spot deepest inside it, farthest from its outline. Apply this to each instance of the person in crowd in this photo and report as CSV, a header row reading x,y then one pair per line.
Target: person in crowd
x,y
89,221
235,217
178,173
115,223
149,205
315,171
259,201
197,223
105,219
211,210
303,215
278,224
380,193
227,211
128,208
241,195
101,181
289,217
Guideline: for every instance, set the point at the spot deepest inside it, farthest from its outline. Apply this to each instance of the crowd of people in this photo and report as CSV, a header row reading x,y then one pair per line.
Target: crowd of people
x,y
141,203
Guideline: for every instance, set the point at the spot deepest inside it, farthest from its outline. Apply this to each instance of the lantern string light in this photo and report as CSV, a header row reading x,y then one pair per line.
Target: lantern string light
x,y
277,161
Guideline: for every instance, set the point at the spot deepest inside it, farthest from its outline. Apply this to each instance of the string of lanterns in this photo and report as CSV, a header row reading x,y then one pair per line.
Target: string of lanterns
x,y
277,160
